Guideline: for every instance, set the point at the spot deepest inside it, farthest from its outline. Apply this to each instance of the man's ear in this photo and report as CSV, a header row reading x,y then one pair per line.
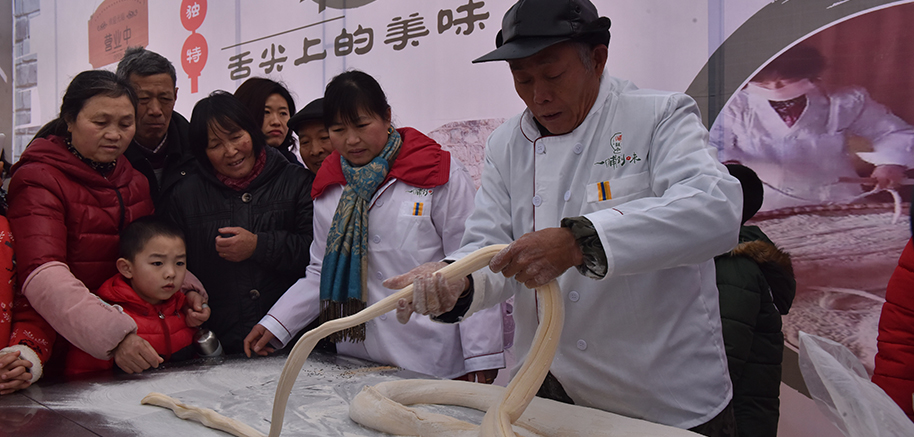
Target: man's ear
x,y
599,55
176,94
125,267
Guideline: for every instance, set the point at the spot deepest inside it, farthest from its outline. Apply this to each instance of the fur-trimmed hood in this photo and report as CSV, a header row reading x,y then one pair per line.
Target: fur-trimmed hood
x,y
774,263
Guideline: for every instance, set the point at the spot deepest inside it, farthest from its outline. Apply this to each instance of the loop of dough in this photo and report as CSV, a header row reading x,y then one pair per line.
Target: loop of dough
x,y
382,407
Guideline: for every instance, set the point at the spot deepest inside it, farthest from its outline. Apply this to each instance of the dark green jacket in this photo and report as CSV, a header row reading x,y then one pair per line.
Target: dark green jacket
x,y
756,286
179,160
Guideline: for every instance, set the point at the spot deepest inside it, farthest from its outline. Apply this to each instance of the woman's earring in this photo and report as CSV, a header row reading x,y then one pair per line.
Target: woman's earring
x,y
390,130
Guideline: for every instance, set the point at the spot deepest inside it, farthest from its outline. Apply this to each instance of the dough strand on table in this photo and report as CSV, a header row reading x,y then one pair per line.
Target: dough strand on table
x,y
383,407
205,416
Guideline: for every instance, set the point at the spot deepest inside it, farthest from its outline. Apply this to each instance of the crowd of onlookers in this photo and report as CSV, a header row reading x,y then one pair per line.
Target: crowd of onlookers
x,y
129,230
133,227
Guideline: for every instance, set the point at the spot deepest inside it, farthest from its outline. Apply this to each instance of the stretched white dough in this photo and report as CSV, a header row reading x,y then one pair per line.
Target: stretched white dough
x,y
382,407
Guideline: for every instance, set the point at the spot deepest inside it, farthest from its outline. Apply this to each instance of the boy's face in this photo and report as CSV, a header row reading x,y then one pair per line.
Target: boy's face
x,y
157,271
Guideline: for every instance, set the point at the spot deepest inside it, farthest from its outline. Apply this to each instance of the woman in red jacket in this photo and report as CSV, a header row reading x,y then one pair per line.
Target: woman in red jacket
x,y
894,370
70,195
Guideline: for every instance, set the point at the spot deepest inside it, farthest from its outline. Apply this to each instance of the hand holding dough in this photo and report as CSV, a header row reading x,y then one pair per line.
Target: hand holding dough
x,y
382,407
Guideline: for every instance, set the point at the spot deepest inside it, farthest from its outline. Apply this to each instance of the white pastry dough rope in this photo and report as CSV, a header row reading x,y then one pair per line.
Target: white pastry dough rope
x,y
382,407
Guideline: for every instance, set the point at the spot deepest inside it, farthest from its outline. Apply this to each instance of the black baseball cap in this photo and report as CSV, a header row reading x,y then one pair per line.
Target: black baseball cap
x,y
313,111
532,25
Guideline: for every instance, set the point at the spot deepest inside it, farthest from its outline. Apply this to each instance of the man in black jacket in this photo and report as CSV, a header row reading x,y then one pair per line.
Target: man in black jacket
x,y
160,148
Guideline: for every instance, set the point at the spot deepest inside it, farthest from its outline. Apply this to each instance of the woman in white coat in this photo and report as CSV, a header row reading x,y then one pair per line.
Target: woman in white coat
x,y
794,134
385,201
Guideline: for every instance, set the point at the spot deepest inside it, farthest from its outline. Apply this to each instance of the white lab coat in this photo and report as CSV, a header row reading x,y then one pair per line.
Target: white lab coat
x,y
802,164
398,241
646,340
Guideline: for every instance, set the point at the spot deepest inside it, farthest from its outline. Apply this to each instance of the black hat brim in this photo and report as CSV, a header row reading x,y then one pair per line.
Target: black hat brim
x,y
521,48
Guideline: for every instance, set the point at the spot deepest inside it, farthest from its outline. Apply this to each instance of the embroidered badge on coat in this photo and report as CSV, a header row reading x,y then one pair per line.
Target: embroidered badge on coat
x,y
421,191
618,159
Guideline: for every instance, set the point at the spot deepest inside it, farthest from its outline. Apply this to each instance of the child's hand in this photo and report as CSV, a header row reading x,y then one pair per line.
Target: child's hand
x,y
196,309
14,373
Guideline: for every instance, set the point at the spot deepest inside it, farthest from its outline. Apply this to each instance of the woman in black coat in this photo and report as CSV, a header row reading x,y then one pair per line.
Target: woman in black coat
x,y
246,215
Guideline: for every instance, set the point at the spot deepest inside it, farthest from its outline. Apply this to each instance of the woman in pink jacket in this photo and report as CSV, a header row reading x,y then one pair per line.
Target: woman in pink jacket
x,y
71,193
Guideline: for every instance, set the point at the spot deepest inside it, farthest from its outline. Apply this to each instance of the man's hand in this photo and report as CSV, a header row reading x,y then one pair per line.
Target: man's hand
x,y
482,376
134,355
196,310
237,247
888,176
432,292
538,257
258,340
14,373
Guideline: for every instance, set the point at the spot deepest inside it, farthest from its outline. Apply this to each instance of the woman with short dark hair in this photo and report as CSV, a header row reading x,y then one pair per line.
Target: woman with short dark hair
x,y
246,215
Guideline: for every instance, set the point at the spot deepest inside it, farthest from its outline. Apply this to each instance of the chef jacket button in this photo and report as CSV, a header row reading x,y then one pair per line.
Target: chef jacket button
x,y
567,195
379,203
246,197
380,275
383,317
540,149
537,200
376,239
582,344
254,294
578,148
574,296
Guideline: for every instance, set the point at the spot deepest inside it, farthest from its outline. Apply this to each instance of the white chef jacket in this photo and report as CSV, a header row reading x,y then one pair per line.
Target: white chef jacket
x,y
401,236
802,164
645,341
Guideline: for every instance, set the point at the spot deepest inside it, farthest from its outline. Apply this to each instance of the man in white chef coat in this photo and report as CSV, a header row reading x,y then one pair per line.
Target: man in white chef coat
x,y
620,184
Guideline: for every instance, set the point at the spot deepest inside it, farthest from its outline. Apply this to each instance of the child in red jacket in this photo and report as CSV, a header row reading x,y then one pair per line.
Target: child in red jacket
x,y
27,336
152,268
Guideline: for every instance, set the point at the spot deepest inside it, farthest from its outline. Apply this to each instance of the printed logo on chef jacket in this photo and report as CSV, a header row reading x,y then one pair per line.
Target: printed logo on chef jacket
x,y
618,158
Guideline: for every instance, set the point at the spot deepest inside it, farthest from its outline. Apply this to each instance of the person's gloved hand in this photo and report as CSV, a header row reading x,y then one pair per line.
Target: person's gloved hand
x,y
888,176
538,257
432,292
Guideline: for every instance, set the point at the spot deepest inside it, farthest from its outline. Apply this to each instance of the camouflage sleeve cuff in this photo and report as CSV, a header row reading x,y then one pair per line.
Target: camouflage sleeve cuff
x,y
595,265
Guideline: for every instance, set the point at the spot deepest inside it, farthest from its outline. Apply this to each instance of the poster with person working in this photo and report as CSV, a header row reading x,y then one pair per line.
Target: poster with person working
x,y
812,94
821,111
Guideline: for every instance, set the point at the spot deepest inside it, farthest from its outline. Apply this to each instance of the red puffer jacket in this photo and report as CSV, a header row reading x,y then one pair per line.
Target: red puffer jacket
x,y
895,359
161,325
63,210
